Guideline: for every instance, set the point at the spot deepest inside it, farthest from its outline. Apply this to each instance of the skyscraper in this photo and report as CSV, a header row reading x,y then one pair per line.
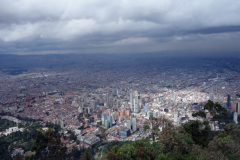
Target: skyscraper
x,y
228,101
131,99
104,117
115,91
238,108
155,114
175,116
136,105
146,108
211,95
93,104
106,124
61,124
129,124
134,124
149,114
107,100
235,117
110,121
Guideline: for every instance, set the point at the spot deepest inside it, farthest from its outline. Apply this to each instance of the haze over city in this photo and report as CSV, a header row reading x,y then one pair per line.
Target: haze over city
x,y
97,72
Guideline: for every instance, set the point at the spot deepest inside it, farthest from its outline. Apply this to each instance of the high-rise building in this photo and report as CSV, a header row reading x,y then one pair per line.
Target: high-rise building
x,y
146,109
228,101
211,96
107,100
110,121
134,124
89,110
149,114
104,117
155,114
235,117
124,132
129,124
238,108
131,99
61,124
80,110
136,104
106,124
115,91
127,113
175,116
55,122
114,115
93,104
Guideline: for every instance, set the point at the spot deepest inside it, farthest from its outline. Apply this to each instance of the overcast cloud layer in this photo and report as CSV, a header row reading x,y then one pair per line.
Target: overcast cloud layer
x,y
118,26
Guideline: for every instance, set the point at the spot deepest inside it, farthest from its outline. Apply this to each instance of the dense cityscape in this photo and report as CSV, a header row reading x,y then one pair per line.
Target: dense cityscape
x,y
114,99
119,80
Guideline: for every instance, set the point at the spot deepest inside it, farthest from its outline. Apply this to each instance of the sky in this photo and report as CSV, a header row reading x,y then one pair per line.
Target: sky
x,y
118,26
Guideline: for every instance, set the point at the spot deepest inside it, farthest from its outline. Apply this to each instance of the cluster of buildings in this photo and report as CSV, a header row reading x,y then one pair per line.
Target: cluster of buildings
x,y
11,130
120,99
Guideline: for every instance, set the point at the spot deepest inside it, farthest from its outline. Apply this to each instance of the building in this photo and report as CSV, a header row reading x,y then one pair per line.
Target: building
x,y
211,96
114,115
131,99
125,132
149,114
106,124
136,104
155,114
235,117
61,124
238,104
110,121
107,100
127,112
134,124
104,117
80,110
89,139
146,108
93,104
129,124
55,121
228,101
176,116
236,109
115,91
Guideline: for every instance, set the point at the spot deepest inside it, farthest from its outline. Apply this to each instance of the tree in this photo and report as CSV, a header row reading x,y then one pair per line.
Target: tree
x,y
199,132
156,123
200,114
145,127
175,142
216,109
87,156
18,157
48,145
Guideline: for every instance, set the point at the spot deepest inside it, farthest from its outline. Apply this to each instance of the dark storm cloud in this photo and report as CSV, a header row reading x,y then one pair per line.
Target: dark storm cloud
x,y
211,30
93,26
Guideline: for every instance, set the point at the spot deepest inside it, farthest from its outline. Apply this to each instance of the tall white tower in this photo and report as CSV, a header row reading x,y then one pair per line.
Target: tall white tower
x,y
235,117
131,99
107,100
175,116
136,104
